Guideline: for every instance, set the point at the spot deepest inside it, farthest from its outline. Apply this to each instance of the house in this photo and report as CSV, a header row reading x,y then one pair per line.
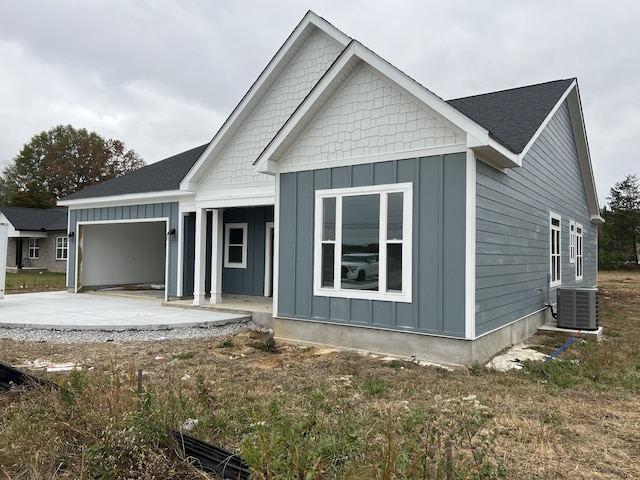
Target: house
x,y
37,238
377,215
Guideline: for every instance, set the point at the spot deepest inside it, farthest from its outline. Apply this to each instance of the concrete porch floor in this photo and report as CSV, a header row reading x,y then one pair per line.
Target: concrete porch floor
x,y
259,308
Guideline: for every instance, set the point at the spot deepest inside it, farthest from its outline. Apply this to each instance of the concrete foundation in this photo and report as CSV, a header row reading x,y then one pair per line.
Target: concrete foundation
x,y
421,347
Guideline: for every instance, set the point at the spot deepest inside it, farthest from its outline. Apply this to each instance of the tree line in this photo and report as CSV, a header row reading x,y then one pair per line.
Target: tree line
x,y
619,236
61,161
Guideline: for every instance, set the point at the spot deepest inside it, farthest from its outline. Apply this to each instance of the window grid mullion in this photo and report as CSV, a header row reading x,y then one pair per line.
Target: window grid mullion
x,y
382,242
337,252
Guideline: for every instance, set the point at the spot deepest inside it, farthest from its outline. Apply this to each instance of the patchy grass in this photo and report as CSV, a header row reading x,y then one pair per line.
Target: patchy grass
x,y
34,281
303,413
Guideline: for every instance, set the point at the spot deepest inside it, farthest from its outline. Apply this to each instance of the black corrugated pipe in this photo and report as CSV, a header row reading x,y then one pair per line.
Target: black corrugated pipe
x,y
549,305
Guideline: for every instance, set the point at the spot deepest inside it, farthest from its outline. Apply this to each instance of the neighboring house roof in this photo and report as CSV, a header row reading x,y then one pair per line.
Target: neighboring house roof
x,y
513,116
36,219
161,176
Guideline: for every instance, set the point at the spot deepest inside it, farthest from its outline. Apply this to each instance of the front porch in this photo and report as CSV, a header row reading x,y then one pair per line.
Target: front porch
x,y
260,308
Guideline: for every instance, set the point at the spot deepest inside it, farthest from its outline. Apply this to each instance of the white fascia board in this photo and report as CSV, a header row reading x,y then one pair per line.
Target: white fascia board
x,y
584,157
260,87
349,59
381,157
546,121
129,199
237,196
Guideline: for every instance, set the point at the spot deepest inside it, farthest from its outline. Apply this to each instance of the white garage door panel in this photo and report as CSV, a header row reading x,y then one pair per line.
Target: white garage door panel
x,y
123,253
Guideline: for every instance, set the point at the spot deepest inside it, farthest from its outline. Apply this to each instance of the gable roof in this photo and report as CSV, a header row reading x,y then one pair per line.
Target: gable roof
x,y
513,116
36,219
161,176
309,24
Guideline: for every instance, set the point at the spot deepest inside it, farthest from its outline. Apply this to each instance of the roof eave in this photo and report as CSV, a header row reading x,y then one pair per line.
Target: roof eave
x,y
349,59
128,199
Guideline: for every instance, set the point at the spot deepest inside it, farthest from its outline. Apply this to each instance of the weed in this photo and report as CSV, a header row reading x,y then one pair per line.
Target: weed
x,y
267,345
375,387
227,343
184,355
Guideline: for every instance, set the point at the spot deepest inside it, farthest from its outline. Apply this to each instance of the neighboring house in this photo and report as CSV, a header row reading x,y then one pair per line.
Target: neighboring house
x,y
37,238
461,214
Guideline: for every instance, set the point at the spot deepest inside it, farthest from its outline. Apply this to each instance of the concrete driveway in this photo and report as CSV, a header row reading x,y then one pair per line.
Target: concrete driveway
x,y
91,311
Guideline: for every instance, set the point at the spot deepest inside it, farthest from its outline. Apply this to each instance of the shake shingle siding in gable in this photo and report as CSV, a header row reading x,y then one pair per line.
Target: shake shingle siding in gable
x,y
233,164
512,227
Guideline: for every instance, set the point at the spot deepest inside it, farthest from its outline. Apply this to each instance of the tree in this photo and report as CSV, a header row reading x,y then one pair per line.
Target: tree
x,y
620,235
62,161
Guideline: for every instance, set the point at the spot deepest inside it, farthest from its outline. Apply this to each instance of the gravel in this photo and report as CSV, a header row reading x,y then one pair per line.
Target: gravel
x,y
100,336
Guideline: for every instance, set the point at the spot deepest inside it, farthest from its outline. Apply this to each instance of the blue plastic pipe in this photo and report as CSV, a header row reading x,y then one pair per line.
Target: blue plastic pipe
x,y
567,343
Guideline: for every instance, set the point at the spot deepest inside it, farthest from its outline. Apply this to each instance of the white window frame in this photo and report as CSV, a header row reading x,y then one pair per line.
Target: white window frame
x,y
62,248
572,241
579,252
407,241
555,254
227,234
34,248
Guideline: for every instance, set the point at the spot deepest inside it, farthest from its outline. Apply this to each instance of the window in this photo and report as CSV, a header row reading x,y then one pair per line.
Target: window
x,y
235,253
61,248
555,250
579,258
572,242
34,248
363,242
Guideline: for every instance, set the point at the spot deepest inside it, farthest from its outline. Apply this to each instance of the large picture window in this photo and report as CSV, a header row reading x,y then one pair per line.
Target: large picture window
x,y
363,242
555,263
61,248
235,240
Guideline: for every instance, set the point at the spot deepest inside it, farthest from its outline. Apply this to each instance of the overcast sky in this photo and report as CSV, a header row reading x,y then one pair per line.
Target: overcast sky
x,y
163,75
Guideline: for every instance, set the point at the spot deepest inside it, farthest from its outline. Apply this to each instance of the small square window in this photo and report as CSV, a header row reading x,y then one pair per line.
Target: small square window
x,y
235,253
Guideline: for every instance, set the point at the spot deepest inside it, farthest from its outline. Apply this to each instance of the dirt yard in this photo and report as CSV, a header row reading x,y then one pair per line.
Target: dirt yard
x,y
578,419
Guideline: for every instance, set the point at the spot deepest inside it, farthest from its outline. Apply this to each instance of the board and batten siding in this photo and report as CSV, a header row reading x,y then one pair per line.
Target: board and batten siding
x,y
438,246
250,280
168,210
512,227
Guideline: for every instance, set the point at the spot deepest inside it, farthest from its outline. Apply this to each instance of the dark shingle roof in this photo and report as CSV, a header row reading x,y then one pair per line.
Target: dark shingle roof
x,y
157,177
36,219
513,116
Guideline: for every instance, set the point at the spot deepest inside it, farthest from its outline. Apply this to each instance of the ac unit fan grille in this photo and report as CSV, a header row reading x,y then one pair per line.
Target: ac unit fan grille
x,y
578,308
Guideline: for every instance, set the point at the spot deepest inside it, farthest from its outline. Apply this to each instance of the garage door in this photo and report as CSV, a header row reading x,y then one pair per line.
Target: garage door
x,y
122,254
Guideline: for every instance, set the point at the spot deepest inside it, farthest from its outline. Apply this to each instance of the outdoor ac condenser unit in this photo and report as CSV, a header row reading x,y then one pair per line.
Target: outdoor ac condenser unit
x,y
578,308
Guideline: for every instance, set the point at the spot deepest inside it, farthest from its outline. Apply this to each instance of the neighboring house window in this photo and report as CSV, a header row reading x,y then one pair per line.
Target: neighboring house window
x,y
61,248
579,257
572,241
235,254
363,242
555,250
34,248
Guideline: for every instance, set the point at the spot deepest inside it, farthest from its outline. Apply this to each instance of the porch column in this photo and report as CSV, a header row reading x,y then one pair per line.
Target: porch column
x,y
200,256
217,259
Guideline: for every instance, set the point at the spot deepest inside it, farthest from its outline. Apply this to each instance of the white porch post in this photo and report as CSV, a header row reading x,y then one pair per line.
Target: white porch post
x,y
217,260
200,256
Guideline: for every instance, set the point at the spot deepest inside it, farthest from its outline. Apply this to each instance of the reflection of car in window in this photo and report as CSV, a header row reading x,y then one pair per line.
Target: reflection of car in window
x,y
360,266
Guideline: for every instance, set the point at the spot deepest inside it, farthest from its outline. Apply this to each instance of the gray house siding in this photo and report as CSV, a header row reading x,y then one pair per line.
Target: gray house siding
x,y
512,227
438,246
168,210
249,280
